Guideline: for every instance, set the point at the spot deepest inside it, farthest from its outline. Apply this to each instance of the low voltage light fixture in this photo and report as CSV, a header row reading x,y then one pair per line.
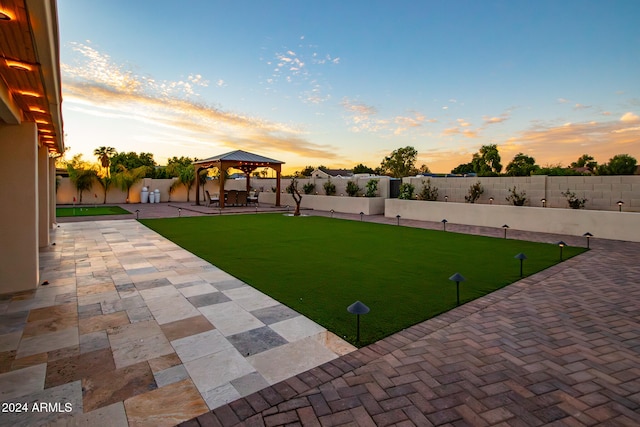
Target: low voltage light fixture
x,y
490,200
544,202
521,257
620,203
358,308
444,224
505,227
398,218
17,65
457,278
588,236
561,244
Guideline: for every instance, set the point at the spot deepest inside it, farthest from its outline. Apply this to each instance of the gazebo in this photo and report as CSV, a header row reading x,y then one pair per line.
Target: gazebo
x,y
241,160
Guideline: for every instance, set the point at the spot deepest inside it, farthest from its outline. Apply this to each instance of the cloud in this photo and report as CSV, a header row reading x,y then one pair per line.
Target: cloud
x,y
100,87
363,118
560,144
303,67
581,107
630,118
493,120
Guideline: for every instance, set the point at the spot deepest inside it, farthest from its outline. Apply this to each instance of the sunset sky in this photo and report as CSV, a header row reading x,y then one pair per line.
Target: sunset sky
x,y
343,82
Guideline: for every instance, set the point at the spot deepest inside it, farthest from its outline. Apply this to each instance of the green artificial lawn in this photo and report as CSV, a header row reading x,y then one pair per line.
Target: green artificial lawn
x,y
318,266
85,210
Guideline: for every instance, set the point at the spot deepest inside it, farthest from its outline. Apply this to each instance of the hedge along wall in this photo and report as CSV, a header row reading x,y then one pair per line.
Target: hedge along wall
x,y
266,185
601,192
575,222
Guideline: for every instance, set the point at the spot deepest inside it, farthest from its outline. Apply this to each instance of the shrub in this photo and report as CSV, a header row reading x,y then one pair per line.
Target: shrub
x,y
474,193
308,188
406,191
428,192
329,188
573,200
517,198
372,188
352,189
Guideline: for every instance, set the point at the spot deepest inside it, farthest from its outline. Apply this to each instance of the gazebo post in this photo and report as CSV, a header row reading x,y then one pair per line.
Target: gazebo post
x,y
223,171
248,181
277,168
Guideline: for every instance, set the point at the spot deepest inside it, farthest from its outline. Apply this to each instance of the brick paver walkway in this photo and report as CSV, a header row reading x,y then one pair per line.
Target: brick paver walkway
x,y
561,347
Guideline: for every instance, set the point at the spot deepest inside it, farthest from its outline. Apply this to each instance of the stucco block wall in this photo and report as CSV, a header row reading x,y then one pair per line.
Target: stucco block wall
x,y
601,192
602,224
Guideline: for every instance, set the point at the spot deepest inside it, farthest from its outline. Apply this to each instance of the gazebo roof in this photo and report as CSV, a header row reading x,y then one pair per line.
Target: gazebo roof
x,y
238,156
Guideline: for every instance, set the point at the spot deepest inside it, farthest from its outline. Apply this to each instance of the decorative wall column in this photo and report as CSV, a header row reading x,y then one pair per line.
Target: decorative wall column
x,y
42,193
19,264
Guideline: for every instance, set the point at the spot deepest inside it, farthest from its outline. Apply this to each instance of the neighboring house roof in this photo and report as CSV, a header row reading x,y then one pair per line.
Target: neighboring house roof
x,y
331,172
239,156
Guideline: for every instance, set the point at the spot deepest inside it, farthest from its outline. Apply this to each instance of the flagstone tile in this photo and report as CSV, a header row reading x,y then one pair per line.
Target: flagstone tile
x,y
99,298
300,356
221,395
202,344
44,326
230,318
105,388
256,341
89,310
274,314
103,322
297,328
164,362
138,342
249,298
94,341
226,283
22,382
159,292
6,360
197,289
140,314
249,383
208,299
186,327
74,368
95,289
48,342
213,370
171,375
13,322
25,362
112,415
171,308
122,304
67,401
165,406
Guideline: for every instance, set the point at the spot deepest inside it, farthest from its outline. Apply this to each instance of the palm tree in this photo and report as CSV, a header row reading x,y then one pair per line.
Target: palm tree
x,y
104,155
82,179
105,182
125,179
186,177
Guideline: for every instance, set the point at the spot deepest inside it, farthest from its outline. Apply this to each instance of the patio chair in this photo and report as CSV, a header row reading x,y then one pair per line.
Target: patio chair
x,y
253,197
242,198
211,200
232,197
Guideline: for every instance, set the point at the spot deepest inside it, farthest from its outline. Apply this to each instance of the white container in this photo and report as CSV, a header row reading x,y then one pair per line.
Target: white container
x,y
144,195
157,196
152,197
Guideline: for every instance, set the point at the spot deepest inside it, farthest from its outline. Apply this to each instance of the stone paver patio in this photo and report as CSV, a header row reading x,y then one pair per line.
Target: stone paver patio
x,y
130,331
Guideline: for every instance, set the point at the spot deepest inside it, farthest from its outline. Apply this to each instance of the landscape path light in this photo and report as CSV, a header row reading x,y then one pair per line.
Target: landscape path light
x,y
505,227
358,308
332,211
620,203
544,202
561,244
457,278
446,198
444,224
398,218
137,213
361,214
588,236
521,257
179,212
490,200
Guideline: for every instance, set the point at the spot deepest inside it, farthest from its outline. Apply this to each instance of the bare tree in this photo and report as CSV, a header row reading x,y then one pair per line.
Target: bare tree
x,y
297,197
